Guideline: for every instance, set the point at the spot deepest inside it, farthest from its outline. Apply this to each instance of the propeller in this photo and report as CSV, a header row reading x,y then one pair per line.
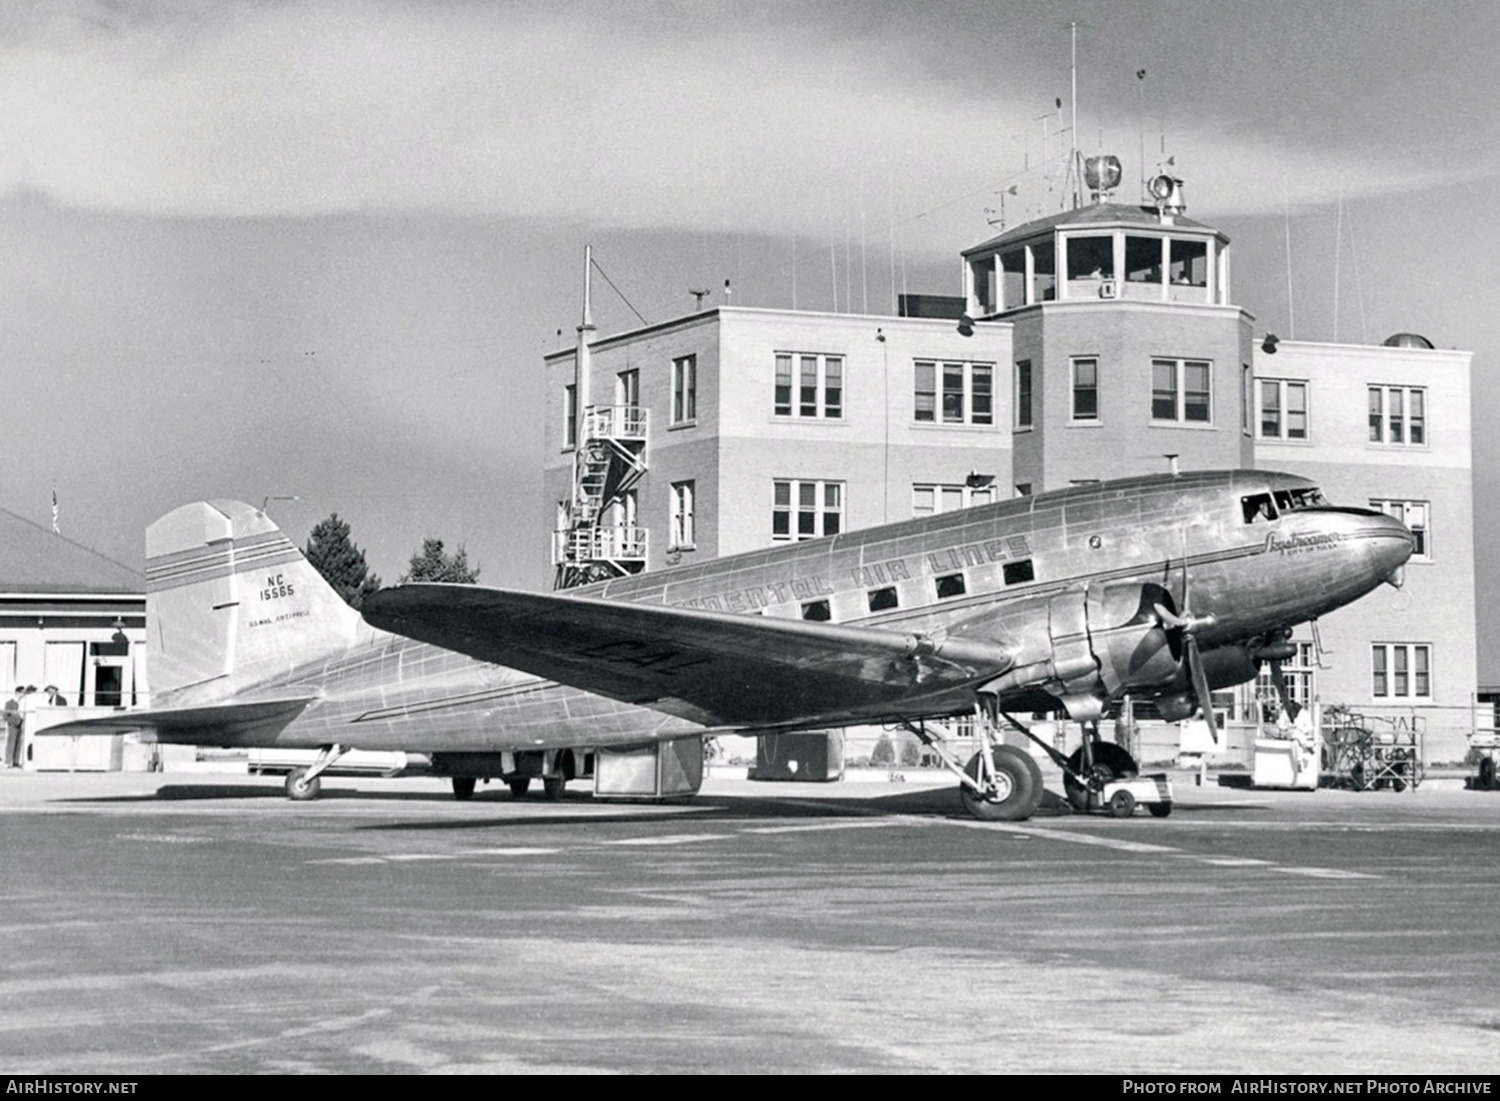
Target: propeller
x,y
1274,652
1188,625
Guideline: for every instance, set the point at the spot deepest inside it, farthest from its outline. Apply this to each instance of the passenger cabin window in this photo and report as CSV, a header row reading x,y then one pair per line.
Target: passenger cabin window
x,y
883,599
817,610
1258,508
1018,573
950,585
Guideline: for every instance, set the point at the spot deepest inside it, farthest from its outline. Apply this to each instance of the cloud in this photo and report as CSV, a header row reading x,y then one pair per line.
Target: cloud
x,y
302,109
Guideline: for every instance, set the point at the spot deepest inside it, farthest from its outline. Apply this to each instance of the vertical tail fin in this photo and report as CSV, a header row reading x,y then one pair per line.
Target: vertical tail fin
x,y
230,601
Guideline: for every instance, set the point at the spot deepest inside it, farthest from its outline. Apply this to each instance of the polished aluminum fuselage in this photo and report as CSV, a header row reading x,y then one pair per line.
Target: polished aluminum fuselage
x,y
1056,579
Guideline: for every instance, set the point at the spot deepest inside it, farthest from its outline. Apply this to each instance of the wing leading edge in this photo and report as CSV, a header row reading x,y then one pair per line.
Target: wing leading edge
x,y
710,667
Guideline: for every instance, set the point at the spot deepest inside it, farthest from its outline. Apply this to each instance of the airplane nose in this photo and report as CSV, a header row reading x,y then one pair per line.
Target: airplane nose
x,y
1391,542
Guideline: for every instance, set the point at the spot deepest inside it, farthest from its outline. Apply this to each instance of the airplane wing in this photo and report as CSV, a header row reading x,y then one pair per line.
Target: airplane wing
x,y
713,668
205,724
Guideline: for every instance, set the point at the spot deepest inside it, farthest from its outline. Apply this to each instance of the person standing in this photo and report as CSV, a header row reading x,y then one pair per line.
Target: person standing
x,y
14,727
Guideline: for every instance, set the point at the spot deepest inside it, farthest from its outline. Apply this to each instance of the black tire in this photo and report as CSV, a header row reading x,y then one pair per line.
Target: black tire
x,y
463,787
1018,782
1357,776
1159,810
1122,804
554,786
1486,774
519,786
301,789
1111,762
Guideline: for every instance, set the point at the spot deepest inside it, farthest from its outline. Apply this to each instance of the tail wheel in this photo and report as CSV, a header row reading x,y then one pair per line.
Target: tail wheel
x,y
1016,787
1111,762
300,788
519,786
463,787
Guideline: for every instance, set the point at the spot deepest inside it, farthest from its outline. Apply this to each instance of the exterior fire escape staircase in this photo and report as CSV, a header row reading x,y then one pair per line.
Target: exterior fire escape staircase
x,y
600,538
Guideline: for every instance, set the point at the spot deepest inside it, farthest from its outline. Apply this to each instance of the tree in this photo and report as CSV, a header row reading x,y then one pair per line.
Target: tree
x,y
342,564
432,564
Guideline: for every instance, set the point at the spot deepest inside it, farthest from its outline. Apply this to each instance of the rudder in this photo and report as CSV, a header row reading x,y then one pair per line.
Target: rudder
x,y
231,600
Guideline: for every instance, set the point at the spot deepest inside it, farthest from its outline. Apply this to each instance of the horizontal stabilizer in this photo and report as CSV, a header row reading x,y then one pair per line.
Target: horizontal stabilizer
x,y
710,667
220,724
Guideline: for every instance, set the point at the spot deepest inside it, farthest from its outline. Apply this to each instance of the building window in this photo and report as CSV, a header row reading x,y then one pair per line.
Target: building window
x,y
1023,394
681,532
1401,670
1416,515
809,385
1247,398
1091,258
1283,409
806,510
628,388
684,389
1143,259
570,416
1398,415
1181,390
968,392
1189,264
1085,389
929,499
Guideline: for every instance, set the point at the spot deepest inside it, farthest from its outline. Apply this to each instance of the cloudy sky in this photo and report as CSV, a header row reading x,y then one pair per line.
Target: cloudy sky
x,y
317,248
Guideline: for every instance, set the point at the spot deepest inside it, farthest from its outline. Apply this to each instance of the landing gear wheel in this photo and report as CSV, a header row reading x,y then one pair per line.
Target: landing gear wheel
x,y
1487,773
1017,787
519,786
1159,810
1122,804
554,786
301,789
463,787
1111,762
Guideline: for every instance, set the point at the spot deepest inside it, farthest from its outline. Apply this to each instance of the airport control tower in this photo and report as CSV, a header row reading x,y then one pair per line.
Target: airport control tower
x,y
1111,303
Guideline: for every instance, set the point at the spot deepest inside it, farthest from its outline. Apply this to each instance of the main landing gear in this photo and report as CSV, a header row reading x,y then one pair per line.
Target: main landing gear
x,y
1002,783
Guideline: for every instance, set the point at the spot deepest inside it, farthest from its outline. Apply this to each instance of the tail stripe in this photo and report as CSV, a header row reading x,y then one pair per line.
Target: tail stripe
x,y
259,552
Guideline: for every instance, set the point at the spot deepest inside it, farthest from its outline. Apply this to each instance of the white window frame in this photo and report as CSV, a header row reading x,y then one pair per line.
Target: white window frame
x,y
795,508
1180,391
1398,668
822,408
942,370
1382,422
685,389
1284,388
932,498
1074,417
681,533
1416,515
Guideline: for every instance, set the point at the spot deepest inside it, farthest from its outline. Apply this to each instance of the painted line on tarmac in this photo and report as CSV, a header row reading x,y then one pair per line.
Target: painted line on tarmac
x,y
671,839
1323,873
1118,844
518,850
830,825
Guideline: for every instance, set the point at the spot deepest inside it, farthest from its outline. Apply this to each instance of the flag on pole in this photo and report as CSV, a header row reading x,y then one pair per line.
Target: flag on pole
x,y
55,529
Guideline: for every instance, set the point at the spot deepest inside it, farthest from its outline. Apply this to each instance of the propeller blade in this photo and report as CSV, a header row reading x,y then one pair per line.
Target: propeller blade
x,y
1283,693
1201,688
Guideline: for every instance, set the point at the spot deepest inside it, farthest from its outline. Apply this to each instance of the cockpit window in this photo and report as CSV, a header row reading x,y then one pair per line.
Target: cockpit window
x,y
1301,497
1258,508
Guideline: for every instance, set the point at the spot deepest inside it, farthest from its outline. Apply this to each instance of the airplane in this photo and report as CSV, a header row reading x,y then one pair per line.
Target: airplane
x,y
1163,587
